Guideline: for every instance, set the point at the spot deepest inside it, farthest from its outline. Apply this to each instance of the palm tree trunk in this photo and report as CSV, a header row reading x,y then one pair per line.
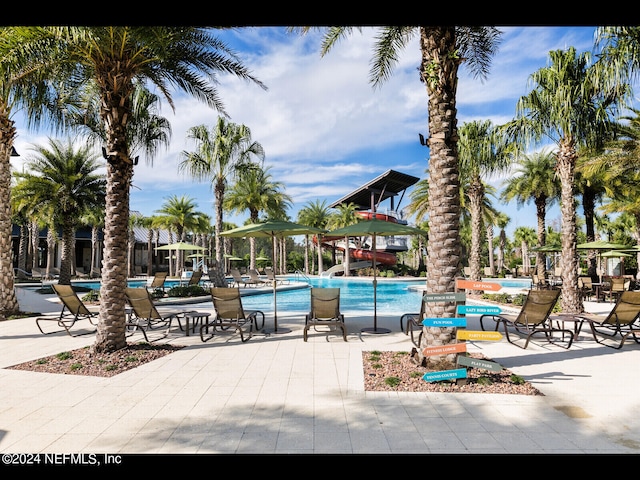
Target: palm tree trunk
x,y
438,47
8,299
111,320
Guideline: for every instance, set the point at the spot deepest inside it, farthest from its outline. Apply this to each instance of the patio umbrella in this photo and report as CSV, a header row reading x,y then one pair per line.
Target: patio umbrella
x,y
374,228
273,229
601,246
182,246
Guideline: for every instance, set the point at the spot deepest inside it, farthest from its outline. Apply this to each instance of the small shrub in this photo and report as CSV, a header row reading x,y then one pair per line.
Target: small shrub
x,y
415,374
484,381
517,379
92,296
110,367
41,361
376,365
64,355
131,358
75,366
392,381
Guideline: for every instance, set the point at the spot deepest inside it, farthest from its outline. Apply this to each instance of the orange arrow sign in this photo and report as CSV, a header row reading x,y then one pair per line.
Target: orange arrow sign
x,y
445,349
472,285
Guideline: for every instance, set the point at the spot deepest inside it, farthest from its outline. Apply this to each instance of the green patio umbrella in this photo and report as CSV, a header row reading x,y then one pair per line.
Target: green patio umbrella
x,y
374,228
272,229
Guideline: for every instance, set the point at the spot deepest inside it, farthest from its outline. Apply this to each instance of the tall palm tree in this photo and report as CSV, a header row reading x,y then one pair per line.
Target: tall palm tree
x,y
115,58
180,215
345,216
502,220
220,155
25,88
534,179
255,192
573,106
482,152
526,236
315,214
65,182
95,219
443,49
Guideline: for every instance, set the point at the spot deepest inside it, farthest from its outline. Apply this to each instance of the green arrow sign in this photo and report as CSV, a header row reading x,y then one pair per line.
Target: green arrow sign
x,y
478,310
444,322
477,363
444,297
445,375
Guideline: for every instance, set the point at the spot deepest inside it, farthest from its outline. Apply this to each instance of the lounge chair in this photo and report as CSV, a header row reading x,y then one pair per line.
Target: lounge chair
x,y
238,278
413,322
157,282
532,319
145,316
325,312
72,311
194,279
622,321
254,278
229,314
271,277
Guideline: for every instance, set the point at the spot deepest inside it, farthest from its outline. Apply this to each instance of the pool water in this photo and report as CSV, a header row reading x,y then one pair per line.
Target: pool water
x,y
356,294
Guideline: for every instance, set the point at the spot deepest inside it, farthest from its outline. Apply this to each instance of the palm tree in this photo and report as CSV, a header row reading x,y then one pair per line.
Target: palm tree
x,y
345,216
502,220
221,154
481,153
115,58
534,180
180,215
572,105
443,49
315,214
95,219
64,182
255,192
526,236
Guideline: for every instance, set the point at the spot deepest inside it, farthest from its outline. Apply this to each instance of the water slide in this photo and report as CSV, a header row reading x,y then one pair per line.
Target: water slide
x,y
383,258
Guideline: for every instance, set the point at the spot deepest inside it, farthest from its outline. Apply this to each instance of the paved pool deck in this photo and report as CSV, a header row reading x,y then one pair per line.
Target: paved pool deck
x,y
277,395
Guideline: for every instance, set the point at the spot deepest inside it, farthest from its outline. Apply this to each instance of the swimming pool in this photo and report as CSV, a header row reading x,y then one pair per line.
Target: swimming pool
x,y
356,295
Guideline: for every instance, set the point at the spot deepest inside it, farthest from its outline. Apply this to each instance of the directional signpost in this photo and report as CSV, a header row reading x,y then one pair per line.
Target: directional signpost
x,y
478,363
478,310
478,335
445,349
473,285
445,375
444,322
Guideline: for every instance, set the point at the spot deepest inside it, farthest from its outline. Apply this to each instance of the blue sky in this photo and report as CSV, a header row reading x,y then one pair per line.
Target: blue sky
x,y
325,130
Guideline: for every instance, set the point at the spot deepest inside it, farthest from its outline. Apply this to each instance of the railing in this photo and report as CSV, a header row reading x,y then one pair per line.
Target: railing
x,y
298,274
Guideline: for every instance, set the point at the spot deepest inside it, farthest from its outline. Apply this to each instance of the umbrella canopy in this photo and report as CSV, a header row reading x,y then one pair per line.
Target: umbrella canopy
x,y
601,245
547,248
614,254
273,229
373,228
262,259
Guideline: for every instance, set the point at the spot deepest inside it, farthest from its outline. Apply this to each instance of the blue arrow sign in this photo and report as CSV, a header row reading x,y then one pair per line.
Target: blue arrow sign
x,y
478,310
445,375
444,322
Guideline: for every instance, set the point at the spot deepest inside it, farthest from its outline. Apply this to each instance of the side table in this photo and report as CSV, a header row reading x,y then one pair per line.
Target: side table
x,y
577,321
195,318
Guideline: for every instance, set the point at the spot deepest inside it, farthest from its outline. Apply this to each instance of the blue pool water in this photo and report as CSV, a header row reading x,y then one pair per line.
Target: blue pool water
x,y
356,294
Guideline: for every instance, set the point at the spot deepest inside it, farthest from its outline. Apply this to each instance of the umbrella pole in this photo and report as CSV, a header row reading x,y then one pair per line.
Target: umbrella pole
x,y
375,328
275,308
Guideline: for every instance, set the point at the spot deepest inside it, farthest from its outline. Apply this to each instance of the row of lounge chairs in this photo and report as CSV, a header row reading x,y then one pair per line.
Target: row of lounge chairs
x,y
229,315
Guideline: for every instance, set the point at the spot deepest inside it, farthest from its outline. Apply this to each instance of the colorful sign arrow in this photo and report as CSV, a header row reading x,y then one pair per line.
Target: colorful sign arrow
x,y
478,335
477,363
445,375
444,322
444,297
445,349
478,310
473,285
